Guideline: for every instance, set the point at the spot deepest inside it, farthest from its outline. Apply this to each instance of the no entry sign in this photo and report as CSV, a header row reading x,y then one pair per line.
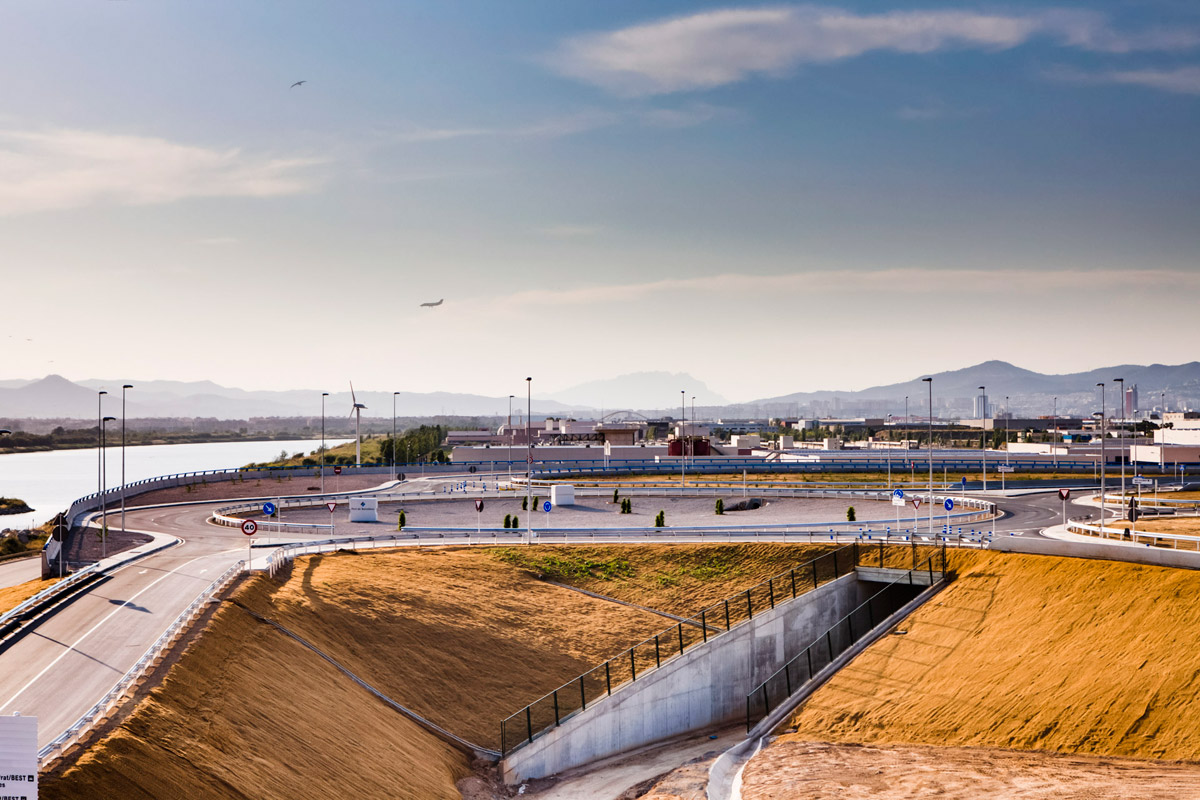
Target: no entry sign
x,y
249,527
337,470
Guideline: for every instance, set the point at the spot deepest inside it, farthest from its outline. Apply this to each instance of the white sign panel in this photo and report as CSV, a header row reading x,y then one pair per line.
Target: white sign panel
x,y
897,501
18,758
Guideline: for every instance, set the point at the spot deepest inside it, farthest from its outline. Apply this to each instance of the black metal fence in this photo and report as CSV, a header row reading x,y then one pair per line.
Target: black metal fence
x,y
598,682
822,651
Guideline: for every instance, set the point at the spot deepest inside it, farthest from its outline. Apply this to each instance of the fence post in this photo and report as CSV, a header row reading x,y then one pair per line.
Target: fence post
x,y
632,665
787,677
881,555
808,652
657,657
771,591
829,643
608,676
503,746
748,725
555,693
766,700
814,570
727,614
680,627
529,722
793,573
582,695
749,604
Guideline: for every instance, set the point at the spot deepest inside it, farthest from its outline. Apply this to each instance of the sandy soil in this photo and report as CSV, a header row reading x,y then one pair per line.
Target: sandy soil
x,y
290,485
13,596
819,771
1030,653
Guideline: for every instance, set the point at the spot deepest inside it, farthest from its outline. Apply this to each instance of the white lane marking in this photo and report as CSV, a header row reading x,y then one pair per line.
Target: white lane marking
x,y
143,572
93,629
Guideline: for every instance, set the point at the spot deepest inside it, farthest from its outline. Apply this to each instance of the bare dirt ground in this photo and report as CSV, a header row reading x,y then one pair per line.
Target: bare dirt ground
x,y
459,636
1030,653
821,771
264,487
84,545
13,596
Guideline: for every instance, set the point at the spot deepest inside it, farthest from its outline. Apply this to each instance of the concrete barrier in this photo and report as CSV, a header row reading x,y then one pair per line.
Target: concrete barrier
x,y
1112,551
701,688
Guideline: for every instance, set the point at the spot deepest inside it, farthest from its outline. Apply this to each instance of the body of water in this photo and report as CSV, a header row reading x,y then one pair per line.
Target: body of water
x,y
50,481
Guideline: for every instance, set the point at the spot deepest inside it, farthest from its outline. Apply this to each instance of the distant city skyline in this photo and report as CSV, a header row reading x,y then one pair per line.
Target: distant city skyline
x,y
772,198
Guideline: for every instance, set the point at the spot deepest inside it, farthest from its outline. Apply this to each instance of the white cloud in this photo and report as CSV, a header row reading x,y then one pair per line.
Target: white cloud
x,y
716,48
60,168
901,281
551,128
571,231
1184,80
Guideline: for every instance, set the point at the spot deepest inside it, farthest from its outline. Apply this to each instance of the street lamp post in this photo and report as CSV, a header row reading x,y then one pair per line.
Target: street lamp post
x,y
889,455
1121,400
1103,436
528,460
682,439
99,440
510,436
394,434
1054,447
930,382
1007,417
123,388
983,414
322,459
1162,443
104,488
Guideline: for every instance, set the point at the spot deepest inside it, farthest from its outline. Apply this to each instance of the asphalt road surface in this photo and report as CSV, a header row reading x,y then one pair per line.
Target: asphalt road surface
x,y
60,668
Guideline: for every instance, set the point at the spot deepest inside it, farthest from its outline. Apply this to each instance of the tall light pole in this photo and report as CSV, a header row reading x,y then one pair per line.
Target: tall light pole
x,y
322,460
1054,447
123,388
1162,445
683,438
100,441
905,427
693,425
1121,399
528,460
983,414
394,434
930,382
510,436
1007,417
1102,458
889,454
104,488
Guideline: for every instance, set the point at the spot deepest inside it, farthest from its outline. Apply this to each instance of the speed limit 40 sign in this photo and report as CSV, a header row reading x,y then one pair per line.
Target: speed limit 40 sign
x,y
249,527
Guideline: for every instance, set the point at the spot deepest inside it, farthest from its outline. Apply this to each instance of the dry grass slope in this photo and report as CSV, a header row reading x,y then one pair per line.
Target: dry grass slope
x,y
1031,653
13,596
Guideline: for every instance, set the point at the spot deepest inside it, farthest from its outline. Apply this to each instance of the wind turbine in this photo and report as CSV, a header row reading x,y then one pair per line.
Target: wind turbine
x,y
356,412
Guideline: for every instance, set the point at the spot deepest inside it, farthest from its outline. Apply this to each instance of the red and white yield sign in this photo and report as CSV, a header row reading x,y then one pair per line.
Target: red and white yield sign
x,y
1064,493
331,506
479,505
249,527
916,503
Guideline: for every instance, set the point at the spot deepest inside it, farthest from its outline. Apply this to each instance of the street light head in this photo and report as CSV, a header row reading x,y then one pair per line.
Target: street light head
x,y
127,386
324,394
110,419
1101,385
927,380
101,392
528,379
5,432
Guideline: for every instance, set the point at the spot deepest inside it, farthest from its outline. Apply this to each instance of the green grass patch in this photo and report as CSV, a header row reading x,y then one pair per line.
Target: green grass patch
x,y
568,566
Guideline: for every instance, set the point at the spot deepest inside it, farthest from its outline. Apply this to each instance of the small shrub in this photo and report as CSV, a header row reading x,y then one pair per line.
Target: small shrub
x,y
401,519
616,495
720,506
507,520
850,516
516,521
524,503
660,521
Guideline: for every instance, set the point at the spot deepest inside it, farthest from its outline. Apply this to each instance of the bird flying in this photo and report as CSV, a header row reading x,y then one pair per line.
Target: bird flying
x,y
297,83
433,305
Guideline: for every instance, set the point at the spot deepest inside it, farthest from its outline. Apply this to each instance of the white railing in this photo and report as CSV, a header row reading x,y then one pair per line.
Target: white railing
x,y
125,685
1148,538
49,593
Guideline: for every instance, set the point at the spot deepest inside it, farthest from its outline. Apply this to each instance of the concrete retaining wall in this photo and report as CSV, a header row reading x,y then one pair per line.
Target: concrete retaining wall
x,y
704,687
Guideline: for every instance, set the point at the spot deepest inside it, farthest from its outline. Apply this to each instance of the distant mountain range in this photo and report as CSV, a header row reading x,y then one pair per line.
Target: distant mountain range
x,y
1030,393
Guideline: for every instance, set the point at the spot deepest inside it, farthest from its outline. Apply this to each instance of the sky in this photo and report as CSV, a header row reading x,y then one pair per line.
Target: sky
x,y
770,197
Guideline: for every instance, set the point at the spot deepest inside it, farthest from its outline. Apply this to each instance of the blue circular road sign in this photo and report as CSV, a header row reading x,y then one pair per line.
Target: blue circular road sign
x,y
268,508
546,506
898,493
949,504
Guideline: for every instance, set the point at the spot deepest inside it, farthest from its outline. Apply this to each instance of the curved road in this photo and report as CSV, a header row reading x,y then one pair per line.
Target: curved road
x,y
58,669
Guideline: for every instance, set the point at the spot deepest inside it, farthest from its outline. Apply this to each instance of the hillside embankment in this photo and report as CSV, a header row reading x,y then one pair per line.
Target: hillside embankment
x,y
1083,661
463,637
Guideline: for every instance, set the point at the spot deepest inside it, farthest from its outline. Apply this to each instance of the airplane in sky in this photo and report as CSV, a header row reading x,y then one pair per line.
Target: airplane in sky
x,y
433,305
